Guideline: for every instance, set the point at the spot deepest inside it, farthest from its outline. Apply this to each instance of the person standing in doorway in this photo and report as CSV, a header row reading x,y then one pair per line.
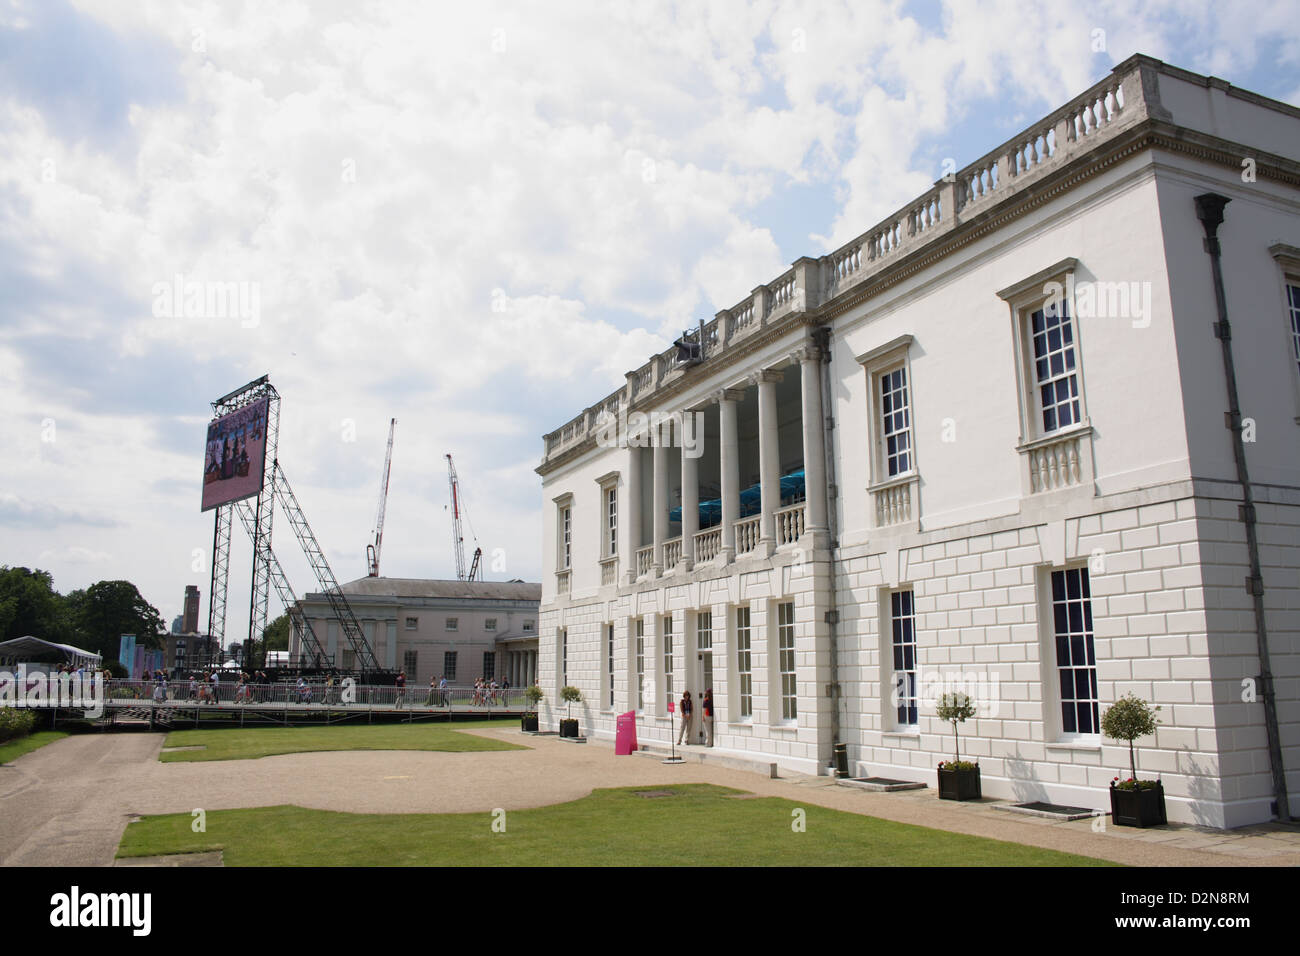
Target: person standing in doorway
x,y
684,735
707,709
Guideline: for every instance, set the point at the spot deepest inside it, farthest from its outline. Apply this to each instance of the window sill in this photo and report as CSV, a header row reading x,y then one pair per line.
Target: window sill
x,y
913,734
785,727
741,723
1082,745
1082,430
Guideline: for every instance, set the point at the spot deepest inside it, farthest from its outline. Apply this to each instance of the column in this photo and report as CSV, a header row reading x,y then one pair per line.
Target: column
x,y
729,452
769,458
690,498
814,440
659,502
632,509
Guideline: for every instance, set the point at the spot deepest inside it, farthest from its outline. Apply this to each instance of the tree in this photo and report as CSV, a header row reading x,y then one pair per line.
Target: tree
x,y
955,708
1129,718
276,635
30,605
106,610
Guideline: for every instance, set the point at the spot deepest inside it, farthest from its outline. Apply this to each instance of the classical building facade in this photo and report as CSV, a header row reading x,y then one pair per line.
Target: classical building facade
x,y
1002,442
461,630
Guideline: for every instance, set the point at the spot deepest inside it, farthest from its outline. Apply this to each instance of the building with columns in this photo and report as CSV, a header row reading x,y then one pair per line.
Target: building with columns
x,y
462,630
1035,437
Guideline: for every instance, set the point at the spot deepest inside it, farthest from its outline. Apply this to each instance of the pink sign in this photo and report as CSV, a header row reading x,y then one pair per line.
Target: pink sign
x,y
625,734
672,708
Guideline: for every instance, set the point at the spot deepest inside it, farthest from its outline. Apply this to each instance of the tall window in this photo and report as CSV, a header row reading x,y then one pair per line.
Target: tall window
x,y
902,613
564,657
611,522
704,638
449,666
408,664
609,661
566,536
896,422
744,663
640,663
1054,371
489,665
668,655
1076,659
1293,301
785,659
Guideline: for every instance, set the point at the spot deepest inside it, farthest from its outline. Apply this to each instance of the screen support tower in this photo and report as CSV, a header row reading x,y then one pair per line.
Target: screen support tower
x,y
329,585
261,532
311,653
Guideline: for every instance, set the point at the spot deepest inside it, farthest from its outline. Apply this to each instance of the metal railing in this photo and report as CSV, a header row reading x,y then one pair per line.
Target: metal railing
x,y
311,693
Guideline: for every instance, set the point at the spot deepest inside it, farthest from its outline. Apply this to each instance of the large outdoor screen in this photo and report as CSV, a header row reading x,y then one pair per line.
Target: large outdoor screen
x,y
236,455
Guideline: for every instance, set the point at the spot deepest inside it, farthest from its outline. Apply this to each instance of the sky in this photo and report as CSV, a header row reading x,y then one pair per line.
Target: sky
x,y
473,218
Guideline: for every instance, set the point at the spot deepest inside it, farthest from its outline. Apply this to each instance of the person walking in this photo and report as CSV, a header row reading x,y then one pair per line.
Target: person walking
x,y
684,735
216,687
442,691
401,688
707,708
433,690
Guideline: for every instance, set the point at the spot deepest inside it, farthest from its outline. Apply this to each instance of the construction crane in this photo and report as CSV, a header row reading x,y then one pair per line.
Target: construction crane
x,y
457,539
372,549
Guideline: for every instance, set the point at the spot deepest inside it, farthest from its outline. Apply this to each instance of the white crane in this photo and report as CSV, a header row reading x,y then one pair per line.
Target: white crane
x,y
457,540
372,549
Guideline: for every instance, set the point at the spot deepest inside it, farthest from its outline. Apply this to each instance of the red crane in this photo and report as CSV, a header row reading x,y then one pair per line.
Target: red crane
x,y
372,549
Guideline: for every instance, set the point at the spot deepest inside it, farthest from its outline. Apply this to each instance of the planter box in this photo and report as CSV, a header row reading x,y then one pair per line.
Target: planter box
x,y
528,722
959,784
568,728
1138,808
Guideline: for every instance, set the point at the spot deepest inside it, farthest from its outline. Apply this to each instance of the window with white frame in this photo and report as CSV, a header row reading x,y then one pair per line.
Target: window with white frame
x,y
490,624
1293,307
611,521
412,623
528,627
895,422
1076,658
640,664
564,656
744,664
668,656
786,659
449,666
566,536
704,640
489,665
1052,337
902,620
409,662
609,664
453,624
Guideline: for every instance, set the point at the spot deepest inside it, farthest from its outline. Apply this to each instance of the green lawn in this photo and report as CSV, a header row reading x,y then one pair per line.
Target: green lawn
x,y
24,745
697,825
249,743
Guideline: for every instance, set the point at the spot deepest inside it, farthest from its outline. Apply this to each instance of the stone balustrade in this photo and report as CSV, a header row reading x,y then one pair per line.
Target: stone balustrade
x,y
748,532
672,552
707,544
789,524
1054,464
644,560
608,571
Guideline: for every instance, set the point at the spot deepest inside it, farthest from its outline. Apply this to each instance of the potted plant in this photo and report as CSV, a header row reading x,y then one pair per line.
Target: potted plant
x,y
958,779
1133,802
570,695
528,722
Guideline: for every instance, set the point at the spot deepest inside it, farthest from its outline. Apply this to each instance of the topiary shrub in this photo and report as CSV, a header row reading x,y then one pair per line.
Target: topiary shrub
x,y
1129,718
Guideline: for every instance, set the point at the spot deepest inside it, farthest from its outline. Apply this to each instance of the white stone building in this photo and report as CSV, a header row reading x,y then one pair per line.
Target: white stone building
x,y
461,630
917,472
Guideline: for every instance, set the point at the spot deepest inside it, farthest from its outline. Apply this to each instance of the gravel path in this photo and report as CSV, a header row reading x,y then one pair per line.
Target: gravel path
x,y
68,803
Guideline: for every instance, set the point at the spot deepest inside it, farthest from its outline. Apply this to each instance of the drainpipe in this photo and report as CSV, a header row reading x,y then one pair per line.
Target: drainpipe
x,y
822,338
1209,209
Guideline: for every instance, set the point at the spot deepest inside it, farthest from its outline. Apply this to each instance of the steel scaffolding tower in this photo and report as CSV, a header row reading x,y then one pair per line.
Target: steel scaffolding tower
x,y
329,585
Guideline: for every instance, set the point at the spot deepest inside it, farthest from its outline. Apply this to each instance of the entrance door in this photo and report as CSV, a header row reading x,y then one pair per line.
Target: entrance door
x,y
704,655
